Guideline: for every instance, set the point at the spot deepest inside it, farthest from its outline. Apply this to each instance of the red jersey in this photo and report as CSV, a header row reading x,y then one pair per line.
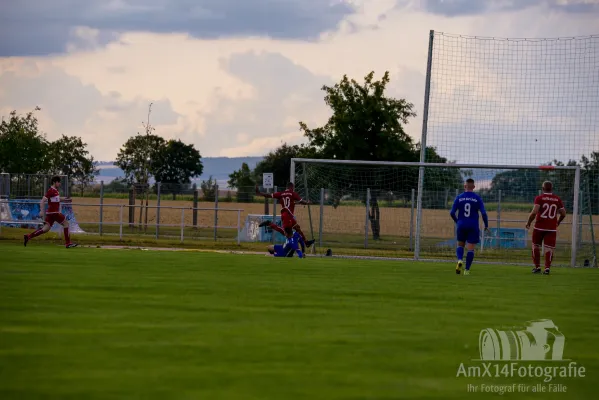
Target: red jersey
x,y
53,200
287,200
549,204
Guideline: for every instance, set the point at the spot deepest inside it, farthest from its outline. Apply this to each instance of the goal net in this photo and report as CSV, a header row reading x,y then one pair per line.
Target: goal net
x,y
521,101
363,208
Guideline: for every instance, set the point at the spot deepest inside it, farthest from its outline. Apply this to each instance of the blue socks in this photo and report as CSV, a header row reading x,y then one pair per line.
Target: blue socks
x,y
459,251
469,259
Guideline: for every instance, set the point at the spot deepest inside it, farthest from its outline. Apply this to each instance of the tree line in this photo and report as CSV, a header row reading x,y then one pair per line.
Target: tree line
x,y
523,184
365,124
25,150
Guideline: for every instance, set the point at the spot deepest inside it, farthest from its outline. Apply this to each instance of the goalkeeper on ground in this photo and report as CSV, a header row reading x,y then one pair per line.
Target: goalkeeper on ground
x,y
290,247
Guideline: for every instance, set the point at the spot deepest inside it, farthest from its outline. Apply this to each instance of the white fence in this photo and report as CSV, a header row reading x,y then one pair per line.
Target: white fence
x,y
113,220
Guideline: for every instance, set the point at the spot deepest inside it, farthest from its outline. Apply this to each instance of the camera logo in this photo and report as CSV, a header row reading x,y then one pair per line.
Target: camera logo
x,y
538,340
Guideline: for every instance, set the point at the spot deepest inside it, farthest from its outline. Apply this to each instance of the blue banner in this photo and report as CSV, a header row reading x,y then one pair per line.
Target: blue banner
x,y
251,232
23,214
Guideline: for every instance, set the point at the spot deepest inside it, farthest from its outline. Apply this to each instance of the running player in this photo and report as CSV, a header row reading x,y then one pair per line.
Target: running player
x,y
469,204
545,232
52,215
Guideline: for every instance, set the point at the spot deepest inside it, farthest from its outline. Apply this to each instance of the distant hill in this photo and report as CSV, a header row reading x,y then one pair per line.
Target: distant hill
x,y
221,167
218,167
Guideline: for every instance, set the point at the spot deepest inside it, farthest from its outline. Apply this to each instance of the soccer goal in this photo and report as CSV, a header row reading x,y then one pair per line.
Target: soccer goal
x,y
383,209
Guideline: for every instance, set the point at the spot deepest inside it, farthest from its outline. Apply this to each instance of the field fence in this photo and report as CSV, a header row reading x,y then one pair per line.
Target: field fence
x,y
122,220
349,223
29,186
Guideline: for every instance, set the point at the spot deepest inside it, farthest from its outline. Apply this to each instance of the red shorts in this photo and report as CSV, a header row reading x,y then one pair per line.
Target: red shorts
x,y
52,218
288,220
544,237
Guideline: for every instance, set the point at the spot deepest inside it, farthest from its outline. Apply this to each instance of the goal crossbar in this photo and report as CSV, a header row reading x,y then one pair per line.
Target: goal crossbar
x,y
422,165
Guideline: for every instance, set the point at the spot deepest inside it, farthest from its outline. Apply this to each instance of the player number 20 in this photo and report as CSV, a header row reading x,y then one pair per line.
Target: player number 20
x,y
549,211
467,210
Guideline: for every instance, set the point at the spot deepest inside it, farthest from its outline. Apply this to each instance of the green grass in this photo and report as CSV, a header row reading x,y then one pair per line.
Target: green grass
x,y
341,244
91,323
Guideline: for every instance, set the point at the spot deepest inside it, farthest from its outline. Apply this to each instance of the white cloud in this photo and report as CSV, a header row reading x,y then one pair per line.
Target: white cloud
x,y
257,146
242,96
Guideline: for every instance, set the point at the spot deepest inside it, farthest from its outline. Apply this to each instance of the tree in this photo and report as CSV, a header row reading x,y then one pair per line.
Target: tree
x,y
243,181
278,162
117,185
135,158
208,189
137,155
522,185
365,125
175,163
23,149
516,185
69,156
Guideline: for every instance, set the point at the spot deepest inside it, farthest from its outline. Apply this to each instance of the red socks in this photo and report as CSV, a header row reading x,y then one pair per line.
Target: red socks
x,y
36,233
277,228
67,238
548,258
280,230
536,256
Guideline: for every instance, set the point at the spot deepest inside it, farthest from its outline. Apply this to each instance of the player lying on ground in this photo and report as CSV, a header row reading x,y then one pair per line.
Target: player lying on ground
x,y
468,205
545,231
287,200
52,215
290,247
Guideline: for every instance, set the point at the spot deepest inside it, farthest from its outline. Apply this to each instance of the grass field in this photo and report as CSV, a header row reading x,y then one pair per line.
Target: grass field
x,y
94,324
341,245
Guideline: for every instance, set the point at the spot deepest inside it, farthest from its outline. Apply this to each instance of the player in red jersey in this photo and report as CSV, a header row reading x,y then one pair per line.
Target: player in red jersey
x,y
547,206
52,215
287,200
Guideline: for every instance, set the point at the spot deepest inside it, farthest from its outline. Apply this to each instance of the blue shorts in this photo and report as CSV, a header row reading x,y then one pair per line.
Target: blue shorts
x,y
469,234
282,251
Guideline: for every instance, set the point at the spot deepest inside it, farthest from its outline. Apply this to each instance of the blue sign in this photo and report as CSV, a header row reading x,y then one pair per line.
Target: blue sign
x,y
26,214
251,232
508,238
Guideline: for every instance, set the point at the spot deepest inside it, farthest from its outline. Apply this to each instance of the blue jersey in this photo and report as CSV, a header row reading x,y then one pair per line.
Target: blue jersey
x,y
291,246
467,206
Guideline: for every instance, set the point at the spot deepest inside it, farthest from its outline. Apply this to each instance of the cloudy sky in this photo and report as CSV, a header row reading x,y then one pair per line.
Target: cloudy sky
x,y
234,77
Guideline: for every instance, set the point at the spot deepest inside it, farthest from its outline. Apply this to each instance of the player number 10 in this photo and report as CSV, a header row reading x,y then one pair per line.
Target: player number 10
x,y
549,211
286,201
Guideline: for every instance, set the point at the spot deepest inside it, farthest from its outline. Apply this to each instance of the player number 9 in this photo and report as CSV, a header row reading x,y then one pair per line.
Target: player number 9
x,y
467,210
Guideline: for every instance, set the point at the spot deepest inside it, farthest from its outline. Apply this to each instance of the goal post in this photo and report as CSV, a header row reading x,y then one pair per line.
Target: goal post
x,y
382,192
